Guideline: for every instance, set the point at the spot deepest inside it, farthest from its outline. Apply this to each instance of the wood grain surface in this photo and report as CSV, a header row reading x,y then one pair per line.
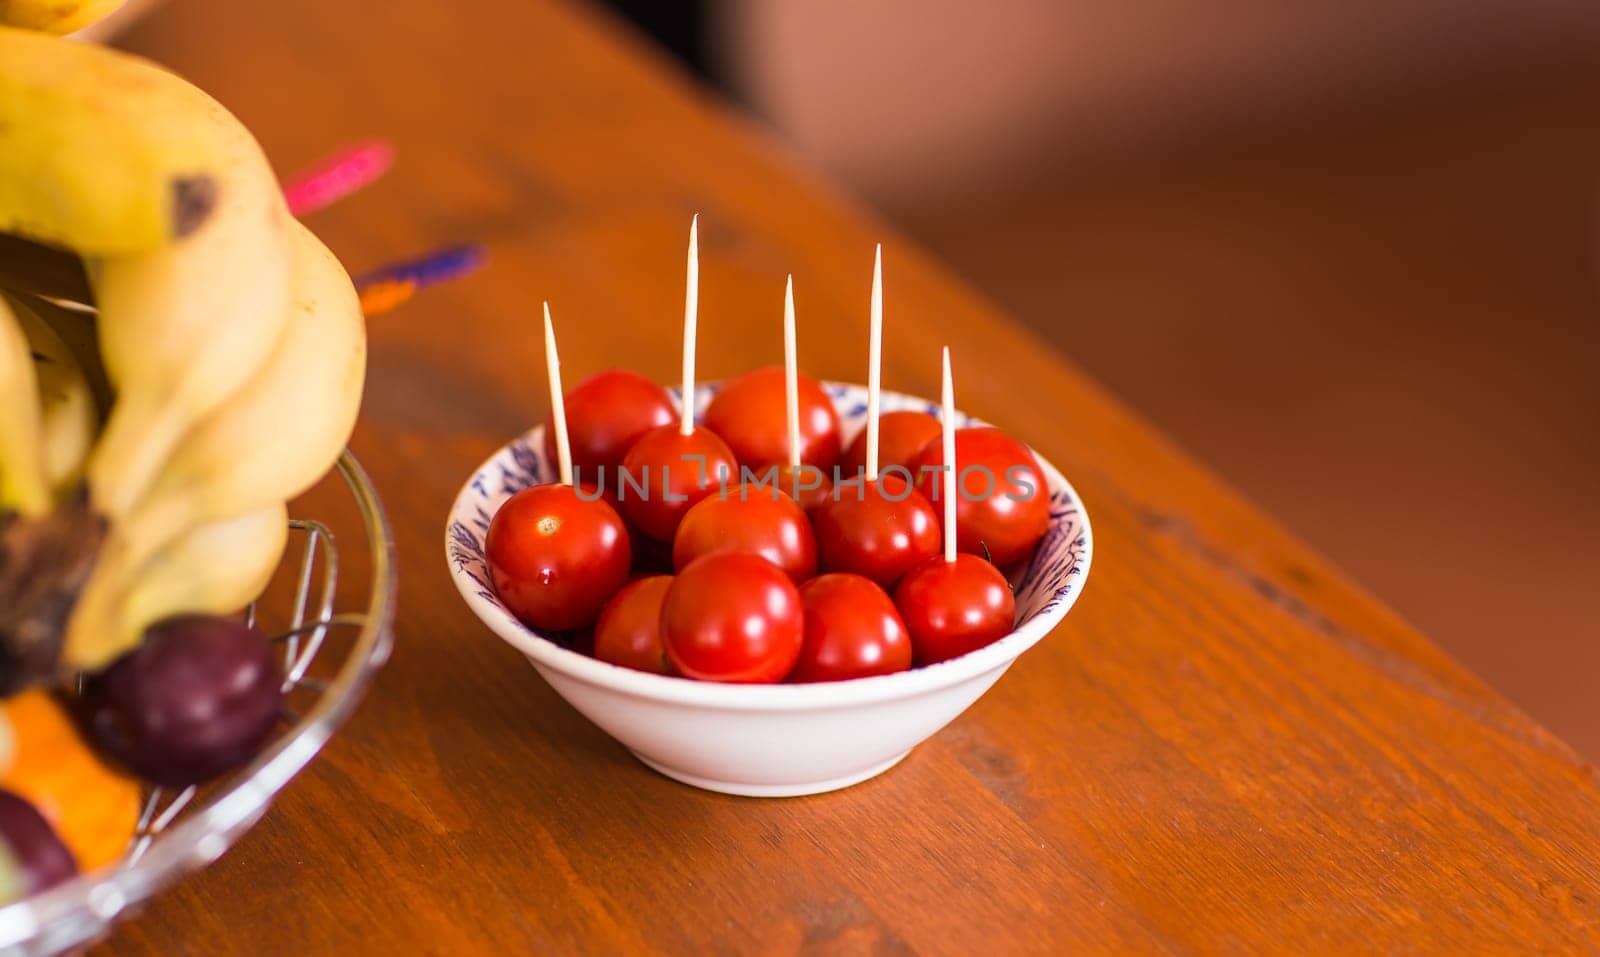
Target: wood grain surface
x,y
1225,748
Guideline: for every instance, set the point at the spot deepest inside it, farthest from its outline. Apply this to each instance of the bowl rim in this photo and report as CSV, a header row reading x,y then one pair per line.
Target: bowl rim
x,y
546,653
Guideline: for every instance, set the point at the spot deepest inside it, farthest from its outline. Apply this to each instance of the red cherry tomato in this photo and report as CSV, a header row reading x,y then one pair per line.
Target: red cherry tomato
x,y
555,557
666,473
629,630
952,608
757,520
901,435
852,631
751,415
807,485
1002,502
732,617
875,529
606,414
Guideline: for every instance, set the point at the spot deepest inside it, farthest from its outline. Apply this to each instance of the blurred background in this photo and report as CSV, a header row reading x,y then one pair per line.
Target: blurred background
x,y
1342,250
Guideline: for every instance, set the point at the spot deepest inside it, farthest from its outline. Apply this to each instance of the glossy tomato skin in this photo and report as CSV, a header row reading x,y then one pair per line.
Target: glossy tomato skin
x,y
629,630
1003,503
852,631
951,608
733,617
675,472
879,530
606,414
757,520
808,485
901,435
751,415
556,557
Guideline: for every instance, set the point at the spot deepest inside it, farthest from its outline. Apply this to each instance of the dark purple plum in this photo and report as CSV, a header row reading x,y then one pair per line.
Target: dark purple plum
x,y
197,698
41,859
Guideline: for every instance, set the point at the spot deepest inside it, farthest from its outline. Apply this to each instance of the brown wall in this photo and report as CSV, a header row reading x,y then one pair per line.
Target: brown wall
x,y
903,98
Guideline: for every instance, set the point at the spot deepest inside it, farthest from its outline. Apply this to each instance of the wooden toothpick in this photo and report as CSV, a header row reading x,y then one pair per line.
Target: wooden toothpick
x,y
691,310
874,363
791,374
558,402
949,417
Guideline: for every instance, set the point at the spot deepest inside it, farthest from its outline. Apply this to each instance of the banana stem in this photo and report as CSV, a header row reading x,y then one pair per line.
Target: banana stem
x,y
44,564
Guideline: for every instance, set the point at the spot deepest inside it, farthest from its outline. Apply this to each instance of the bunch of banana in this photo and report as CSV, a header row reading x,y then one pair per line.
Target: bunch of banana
x,y
147,450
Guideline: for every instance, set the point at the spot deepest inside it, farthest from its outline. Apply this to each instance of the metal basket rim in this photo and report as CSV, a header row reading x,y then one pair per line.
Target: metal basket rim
x,y
206,832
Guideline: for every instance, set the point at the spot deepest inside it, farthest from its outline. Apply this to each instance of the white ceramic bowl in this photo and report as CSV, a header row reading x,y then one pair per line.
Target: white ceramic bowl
x,y
769,740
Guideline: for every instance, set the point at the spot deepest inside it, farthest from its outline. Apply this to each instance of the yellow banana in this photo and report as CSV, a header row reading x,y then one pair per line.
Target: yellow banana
x,y
270,441
77,328
55,16
216,568
184,327
24,480
285,428
100,152
68,417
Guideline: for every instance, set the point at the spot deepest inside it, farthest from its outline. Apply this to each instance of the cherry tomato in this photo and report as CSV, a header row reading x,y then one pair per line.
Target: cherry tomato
x,y
1002,502
674,471
556,557
751,415
952,608
807,485
629,630
732,617
876,529
606,414
852,631
757,520
901,435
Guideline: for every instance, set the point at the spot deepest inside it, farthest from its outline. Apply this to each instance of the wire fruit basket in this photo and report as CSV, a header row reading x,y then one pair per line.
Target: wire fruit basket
x,y
180,831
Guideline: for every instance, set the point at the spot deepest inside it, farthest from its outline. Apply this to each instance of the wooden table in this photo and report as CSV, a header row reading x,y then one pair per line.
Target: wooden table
x,y
1226,747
